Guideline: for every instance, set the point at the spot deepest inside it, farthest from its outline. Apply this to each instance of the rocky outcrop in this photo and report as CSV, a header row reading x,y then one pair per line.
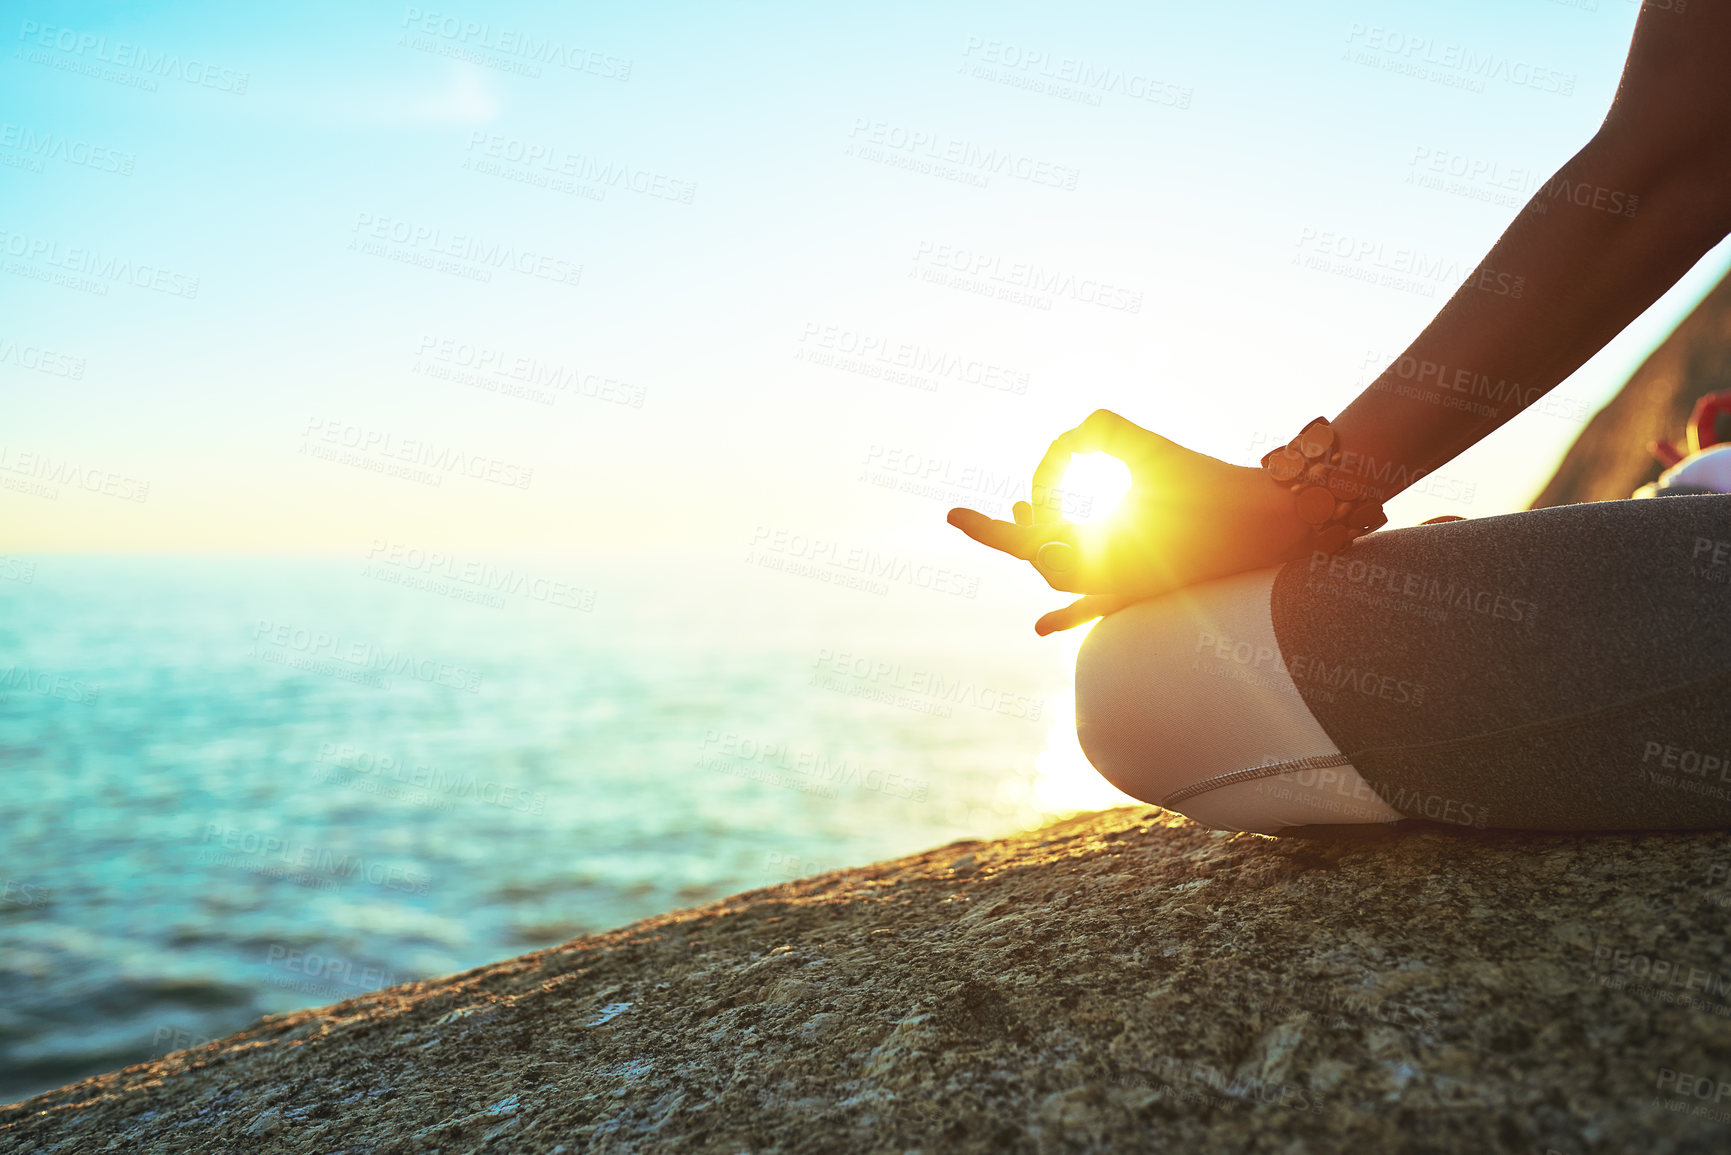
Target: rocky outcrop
x,y
1120,981
1609,460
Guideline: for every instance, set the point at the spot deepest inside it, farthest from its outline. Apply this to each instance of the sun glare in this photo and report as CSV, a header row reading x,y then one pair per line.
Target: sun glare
x,y
1093,486
1065,781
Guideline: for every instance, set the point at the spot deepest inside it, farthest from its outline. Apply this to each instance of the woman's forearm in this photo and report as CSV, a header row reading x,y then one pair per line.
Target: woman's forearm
x,y
1601,241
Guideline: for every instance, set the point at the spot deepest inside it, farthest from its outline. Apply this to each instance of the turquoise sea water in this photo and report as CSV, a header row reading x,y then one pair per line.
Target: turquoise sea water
x,y
231,788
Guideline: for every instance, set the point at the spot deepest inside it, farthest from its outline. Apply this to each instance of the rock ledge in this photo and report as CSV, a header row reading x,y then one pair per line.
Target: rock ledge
x,y
1118,981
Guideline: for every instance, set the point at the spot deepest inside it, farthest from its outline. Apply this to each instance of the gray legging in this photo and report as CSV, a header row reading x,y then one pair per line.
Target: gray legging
x,y
1554,669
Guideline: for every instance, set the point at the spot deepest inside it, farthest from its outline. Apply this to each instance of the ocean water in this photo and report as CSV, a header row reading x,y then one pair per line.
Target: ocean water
x,y
231,788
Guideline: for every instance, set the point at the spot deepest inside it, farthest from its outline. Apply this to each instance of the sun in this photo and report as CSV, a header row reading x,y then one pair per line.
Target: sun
x,y
1093,487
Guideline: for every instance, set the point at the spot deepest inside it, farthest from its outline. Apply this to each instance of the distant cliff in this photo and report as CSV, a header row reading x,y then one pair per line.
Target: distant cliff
x,y
1609,460
1122,981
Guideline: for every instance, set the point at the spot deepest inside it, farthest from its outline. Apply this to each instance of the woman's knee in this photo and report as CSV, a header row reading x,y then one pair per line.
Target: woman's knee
x,y
1124,672
1173,693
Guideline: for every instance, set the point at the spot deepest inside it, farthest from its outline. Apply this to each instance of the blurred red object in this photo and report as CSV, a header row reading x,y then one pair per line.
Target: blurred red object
x,y
1702,429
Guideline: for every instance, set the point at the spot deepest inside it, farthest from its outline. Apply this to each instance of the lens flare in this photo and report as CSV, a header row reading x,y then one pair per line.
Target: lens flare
x,y
1094,485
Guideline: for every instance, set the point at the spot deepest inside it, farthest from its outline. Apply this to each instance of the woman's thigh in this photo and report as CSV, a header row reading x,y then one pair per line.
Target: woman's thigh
x,y
1565,668
1184,701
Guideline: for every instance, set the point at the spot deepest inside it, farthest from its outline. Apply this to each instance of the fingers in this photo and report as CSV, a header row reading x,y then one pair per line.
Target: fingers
x,y
1057,554
1103,430
1023,513
1052,548
1022,541
1071,557
1079,611
1048,502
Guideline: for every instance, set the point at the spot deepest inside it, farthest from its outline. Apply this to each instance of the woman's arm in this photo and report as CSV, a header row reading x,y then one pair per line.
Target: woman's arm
x,y
1617,226
1586,266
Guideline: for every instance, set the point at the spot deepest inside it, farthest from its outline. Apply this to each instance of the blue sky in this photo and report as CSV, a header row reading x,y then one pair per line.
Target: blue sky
x,y
810,182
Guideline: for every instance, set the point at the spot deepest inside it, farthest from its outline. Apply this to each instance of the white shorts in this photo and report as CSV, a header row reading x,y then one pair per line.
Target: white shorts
x,y
1183,701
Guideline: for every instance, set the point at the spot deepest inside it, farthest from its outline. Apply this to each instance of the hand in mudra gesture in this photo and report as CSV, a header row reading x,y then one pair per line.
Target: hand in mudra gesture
x,y
1187,518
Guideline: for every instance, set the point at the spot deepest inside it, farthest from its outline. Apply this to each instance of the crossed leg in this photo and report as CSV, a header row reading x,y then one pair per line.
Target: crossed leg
x,y
1183,701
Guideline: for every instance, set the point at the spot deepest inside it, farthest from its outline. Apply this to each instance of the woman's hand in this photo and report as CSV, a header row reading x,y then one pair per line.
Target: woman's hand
x,y
1187,518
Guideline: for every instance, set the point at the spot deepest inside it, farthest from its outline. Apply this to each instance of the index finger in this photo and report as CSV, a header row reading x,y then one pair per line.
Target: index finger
x,y
1103,430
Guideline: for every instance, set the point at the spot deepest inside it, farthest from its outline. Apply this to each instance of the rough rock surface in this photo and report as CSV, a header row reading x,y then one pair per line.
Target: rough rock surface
x,y
1120,981
1609,460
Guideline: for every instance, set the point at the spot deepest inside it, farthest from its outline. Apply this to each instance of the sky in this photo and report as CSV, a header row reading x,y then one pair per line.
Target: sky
x,y
526,278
